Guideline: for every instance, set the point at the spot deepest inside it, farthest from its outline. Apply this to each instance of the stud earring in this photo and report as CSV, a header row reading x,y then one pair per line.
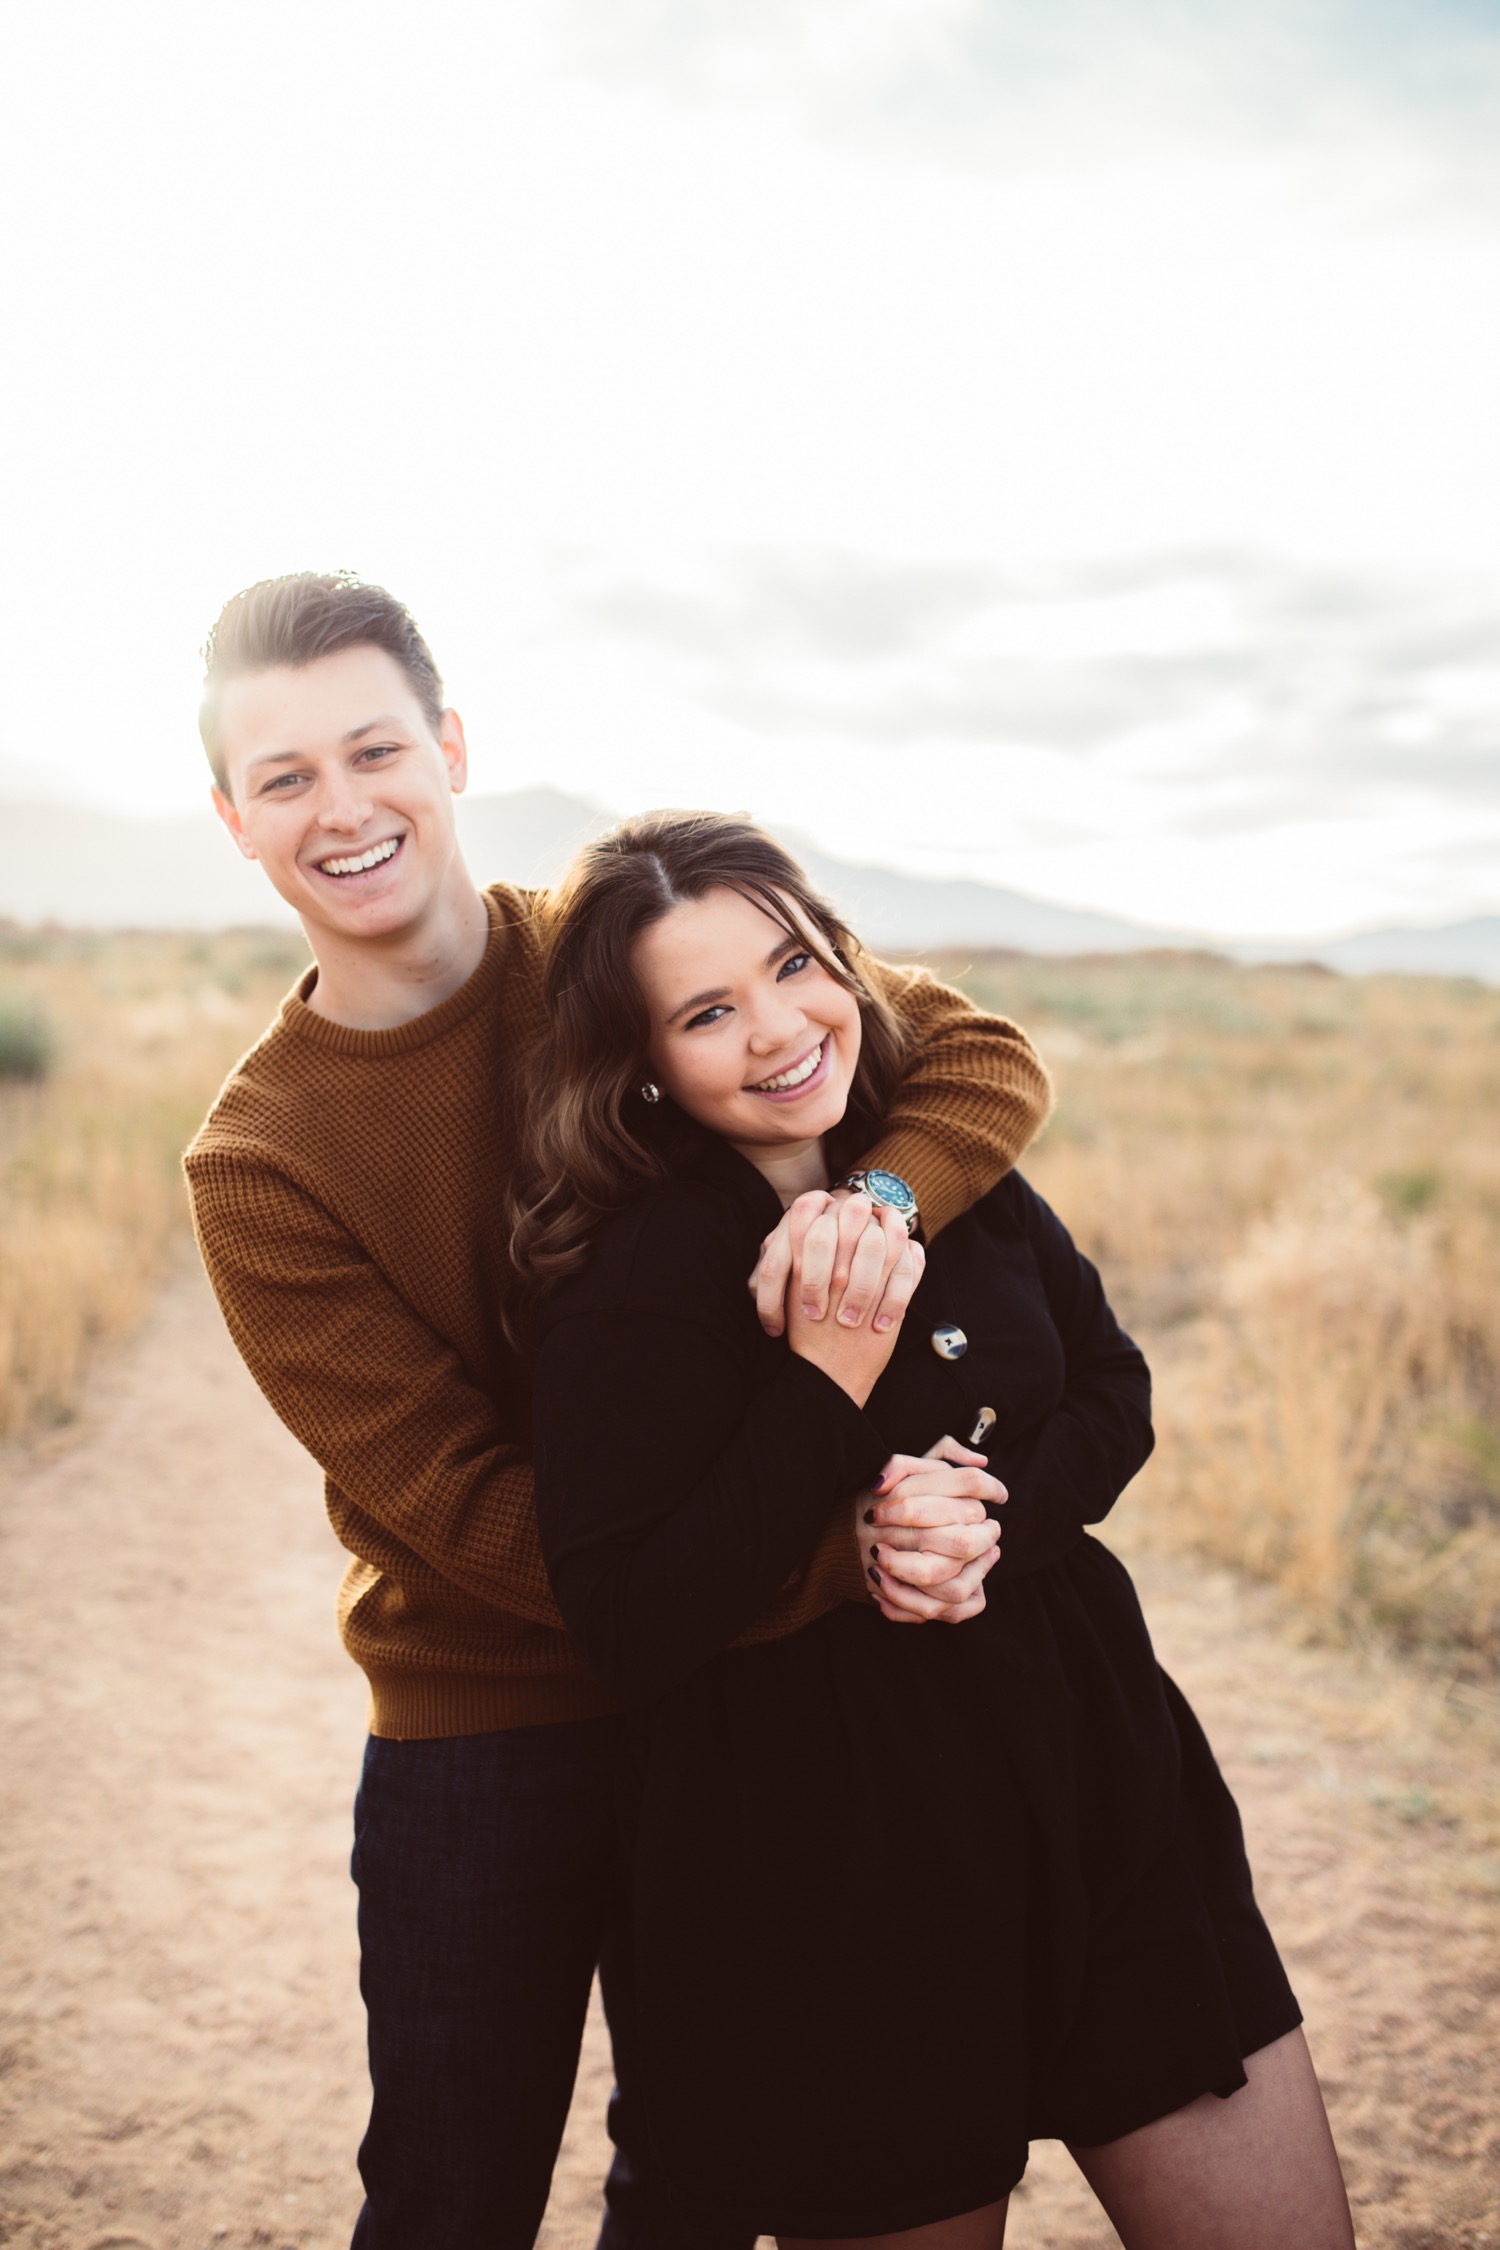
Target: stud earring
x,y
650,1092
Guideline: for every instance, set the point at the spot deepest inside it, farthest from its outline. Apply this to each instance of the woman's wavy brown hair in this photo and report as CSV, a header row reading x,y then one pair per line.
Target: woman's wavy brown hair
x,y
589,1141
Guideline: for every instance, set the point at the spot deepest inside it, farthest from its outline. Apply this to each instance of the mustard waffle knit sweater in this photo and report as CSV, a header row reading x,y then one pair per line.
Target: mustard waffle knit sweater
x,y
347,1194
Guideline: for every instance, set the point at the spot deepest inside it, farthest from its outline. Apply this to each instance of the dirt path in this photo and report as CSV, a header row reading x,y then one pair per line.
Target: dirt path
x,y
180,2057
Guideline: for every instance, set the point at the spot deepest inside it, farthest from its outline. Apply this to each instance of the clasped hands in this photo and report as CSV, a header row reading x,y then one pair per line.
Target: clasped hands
x,y
925,1538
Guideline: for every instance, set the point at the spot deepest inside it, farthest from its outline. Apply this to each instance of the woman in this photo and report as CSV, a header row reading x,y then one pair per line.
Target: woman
x,y
905,1900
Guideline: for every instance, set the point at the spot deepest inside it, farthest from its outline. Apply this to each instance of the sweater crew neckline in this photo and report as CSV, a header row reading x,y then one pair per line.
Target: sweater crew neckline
x,y
504,906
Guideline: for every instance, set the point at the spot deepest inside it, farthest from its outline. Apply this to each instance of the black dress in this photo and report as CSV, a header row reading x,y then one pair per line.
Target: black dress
x,y
906,1898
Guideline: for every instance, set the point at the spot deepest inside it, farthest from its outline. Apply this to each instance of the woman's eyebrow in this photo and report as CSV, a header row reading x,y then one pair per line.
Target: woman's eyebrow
x,y
721,992
699,1000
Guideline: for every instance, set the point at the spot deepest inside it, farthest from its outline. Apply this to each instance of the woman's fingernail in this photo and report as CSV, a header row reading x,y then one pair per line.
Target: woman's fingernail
x,y
875,1554
874,1573
869,1515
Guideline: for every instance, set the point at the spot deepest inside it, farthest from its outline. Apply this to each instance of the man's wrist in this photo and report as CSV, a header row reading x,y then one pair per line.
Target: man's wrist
x,y
886,1190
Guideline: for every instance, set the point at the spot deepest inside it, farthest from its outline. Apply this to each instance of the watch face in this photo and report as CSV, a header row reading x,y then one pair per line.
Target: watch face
x,y
887,1187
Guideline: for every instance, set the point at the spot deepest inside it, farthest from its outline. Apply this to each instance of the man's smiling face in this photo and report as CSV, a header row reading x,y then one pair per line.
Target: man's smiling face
x,y
340,788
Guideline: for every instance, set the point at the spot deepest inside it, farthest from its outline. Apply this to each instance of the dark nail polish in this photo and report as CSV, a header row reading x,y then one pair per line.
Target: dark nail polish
x,y
869,1515
874,1573
874,1554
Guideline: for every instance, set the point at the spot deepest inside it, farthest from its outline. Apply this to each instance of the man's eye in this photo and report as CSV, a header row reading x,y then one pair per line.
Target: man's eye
x,y
282,781
379,750
705,1015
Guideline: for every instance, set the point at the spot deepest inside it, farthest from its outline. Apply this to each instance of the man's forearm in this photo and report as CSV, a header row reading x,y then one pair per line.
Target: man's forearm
x,y
972,1099
833,1573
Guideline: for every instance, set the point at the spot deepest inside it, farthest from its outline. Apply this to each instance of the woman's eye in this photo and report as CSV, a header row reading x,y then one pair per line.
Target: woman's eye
x,y
792,964
705,1015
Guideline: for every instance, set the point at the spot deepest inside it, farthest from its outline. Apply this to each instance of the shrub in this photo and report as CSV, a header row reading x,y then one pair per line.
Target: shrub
x,y
26,1043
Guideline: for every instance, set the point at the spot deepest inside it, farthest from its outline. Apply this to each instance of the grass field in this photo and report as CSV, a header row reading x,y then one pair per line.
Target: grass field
x,y
1292,1183
1290,1179
111,1046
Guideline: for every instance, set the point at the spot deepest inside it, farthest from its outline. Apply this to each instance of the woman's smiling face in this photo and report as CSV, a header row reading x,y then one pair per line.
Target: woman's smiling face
x,y
749,1032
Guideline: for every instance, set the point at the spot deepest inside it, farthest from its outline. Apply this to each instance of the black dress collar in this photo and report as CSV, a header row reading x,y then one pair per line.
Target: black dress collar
x,y
721,1165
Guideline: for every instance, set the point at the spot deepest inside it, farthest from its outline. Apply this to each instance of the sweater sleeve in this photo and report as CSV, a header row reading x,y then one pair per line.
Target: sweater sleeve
x,y
678,1483
834,1572
973,1097
420,1454
1072,1468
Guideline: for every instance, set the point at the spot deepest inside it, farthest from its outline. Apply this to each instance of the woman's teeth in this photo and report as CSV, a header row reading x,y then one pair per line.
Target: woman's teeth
x,y
371,858
793,1077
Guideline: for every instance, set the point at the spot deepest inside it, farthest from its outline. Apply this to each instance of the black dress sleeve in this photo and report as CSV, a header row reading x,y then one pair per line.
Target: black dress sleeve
x,y
684,1464
1072,1467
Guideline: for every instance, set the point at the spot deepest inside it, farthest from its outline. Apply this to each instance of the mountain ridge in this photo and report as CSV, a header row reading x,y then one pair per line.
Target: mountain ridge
x,y
71,863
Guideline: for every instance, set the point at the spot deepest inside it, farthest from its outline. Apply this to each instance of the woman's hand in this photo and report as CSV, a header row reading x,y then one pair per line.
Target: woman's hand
x,y
836,1254
928,1543
854,1354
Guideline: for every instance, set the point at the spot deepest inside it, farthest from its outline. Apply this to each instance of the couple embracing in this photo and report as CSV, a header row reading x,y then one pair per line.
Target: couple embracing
x,y
646,1267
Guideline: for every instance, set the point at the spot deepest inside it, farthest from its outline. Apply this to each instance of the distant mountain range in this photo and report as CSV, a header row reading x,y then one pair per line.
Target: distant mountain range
x,y
69,863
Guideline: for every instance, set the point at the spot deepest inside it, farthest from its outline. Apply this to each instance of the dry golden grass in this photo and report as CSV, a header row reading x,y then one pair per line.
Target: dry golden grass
x,y
1292,1183
1291,1180
142,1029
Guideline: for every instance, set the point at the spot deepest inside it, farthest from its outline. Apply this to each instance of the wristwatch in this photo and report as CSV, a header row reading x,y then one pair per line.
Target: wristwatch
x,y
889,1190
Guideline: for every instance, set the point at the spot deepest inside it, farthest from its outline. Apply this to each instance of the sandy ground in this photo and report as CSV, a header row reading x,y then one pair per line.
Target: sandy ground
x,y
180,2052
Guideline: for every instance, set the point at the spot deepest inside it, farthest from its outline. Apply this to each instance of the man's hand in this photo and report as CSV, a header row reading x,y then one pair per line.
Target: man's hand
x,y
927,1542
839,1254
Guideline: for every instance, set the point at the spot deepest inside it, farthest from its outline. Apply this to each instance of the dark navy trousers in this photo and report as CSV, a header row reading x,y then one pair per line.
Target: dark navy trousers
x,y
492,1881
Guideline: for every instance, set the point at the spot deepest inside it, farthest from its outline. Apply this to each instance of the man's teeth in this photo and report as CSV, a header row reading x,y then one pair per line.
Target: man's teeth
x,y
793,1077
371,858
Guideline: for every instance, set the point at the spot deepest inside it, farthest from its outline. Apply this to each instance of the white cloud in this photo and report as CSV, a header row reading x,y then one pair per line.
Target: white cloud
x,y
1190,725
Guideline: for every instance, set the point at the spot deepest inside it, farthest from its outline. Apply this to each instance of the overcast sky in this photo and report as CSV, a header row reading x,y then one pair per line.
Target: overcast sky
x,y
1052,443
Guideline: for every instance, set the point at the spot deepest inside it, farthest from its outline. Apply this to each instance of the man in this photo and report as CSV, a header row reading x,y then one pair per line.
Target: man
x,y
348,1195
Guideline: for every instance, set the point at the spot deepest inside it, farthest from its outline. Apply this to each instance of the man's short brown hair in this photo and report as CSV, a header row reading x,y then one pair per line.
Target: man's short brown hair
x,y
293,621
